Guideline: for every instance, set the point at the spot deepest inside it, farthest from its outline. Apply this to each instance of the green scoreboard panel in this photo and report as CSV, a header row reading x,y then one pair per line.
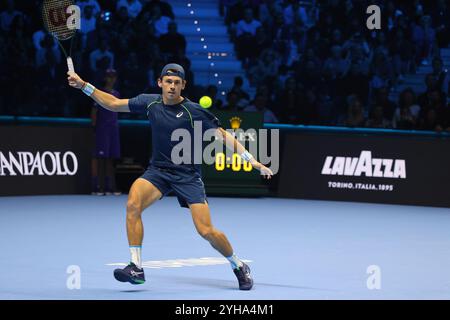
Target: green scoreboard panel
x,y
230,174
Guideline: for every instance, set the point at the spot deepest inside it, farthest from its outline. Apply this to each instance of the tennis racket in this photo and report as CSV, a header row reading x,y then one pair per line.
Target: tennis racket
x,y
62,20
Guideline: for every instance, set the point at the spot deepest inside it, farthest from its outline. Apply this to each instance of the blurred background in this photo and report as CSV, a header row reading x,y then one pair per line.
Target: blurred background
x,y
312,69
356,115
296,62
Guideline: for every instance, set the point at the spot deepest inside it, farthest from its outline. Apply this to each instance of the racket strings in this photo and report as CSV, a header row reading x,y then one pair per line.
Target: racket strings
x,y
55,18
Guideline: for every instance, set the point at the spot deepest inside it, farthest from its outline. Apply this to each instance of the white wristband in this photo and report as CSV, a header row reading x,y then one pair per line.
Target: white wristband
x,y
247,156
88,89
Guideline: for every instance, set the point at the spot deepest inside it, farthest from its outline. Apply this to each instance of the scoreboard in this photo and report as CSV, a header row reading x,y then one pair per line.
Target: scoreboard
x,y
229,174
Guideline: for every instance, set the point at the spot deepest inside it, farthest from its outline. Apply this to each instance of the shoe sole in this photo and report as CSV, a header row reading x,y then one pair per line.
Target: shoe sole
x,y
123,277
246,288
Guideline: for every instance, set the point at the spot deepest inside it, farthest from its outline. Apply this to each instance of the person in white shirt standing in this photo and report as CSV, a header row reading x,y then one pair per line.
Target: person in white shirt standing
x,y
245,33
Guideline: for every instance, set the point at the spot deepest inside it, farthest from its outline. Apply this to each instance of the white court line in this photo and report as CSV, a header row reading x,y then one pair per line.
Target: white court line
x,y
178,263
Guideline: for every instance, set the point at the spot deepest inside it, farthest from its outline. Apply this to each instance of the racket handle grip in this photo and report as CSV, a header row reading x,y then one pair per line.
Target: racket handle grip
x,y
70,65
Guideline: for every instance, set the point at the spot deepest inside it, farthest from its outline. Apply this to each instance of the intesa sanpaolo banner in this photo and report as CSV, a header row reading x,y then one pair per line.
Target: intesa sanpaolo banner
x,y
44,160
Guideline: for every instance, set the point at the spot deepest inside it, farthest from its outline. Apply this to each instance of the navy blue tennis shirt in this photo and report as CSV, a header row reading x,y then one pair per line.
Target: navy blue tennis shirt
x,y
164,119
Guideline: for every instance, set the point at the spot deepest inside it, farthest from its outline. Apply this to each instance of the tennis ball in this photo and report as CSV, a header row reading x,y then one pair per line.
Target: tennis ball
x,y
205,102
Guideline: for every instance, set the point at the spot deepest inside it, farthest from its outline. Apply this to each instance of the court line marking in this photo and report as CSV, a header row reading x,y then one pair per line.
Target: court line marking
x,y
179,263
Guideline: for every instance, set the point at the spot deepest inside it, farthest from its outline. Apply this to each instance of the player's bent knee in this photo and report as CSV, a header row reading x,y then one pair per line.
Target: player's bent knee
x,y
134,207
206,233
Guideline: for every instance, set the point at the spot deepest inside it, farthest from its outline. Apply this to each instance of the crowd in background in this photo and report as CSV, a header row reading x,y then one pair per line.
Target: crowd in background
x,y
134,37
316,62
311,62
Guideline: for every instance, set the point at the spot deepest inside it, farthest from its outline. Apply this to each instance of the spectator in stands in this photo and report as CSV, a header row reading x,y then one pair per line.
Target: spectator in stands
x,y
354,82
304,49
164,7
402,52
440,112
122,22
311,75
3,75
7,16
88,20
431,86
266,89
98,54
49,74
134,76
134,7
45,45
93,3
233,11
382,72
336,66
143,39
266,69
441,22
172,42
88,23
211,91
265,14
404,120
377,119
382,99
380,44
238,82
407,112
260,105
441,75
424,38
245,33
309,107
262,42
294,11
39,36
19,43
357,47
355,113
232,102
430,121
289,100
160,21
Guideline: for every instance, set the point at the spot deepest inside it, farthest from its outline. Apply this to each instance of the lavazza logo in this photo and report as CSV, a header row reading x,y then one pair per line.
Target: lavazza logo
x,y
47,163
364,165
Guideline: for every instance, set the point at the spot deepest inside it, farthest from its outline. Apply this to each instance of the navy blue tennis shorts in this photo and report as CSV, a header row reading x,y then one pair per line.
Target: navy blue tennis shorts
x,y
187,185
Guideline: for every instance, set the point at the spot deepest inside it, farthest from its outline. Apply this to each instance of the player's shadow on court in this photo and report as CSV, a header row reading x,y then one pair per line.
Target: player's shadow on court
x,y
203,282
134,290
292,287
232,285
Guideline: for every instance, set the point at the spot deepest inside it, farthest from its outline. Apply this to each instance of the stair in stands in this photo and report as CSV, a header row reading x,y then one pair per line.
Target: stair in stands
x,y
212,55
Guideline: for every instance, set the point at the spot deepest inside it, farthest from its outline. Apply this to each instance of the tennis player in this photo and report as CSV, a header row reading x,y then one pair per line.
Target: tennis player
x,y
167,112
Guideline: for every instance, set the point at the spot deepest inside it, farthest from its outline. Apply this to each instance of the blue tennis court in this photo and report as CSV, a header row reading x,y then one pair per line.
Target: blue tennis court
x,y
297,249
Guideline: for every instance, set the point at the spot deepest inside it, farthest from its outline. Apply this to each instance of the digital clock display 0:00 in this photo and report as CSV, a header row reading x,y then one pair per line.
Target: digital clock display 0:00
x,y
236,164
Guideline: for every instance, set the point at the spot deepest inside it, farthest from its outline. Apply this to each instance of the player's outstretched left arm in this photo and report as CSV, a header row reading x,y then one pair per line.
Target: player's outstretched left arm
x,y
233,144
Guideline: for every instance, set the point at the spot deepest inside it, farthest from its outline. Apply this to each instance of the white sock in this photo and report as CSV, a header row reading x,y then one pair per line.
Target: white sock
x,y
136,255
235,261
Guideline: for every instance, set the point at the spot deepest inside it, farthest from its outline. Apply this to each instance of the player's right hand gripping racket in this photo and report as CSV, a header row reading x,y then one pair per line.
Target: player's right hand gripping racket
x,y
62,20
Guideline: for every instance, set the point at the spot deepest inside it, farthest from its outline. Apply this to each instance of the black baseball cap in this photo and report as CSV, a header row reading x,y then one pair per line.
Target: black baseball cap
x,y
173,69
